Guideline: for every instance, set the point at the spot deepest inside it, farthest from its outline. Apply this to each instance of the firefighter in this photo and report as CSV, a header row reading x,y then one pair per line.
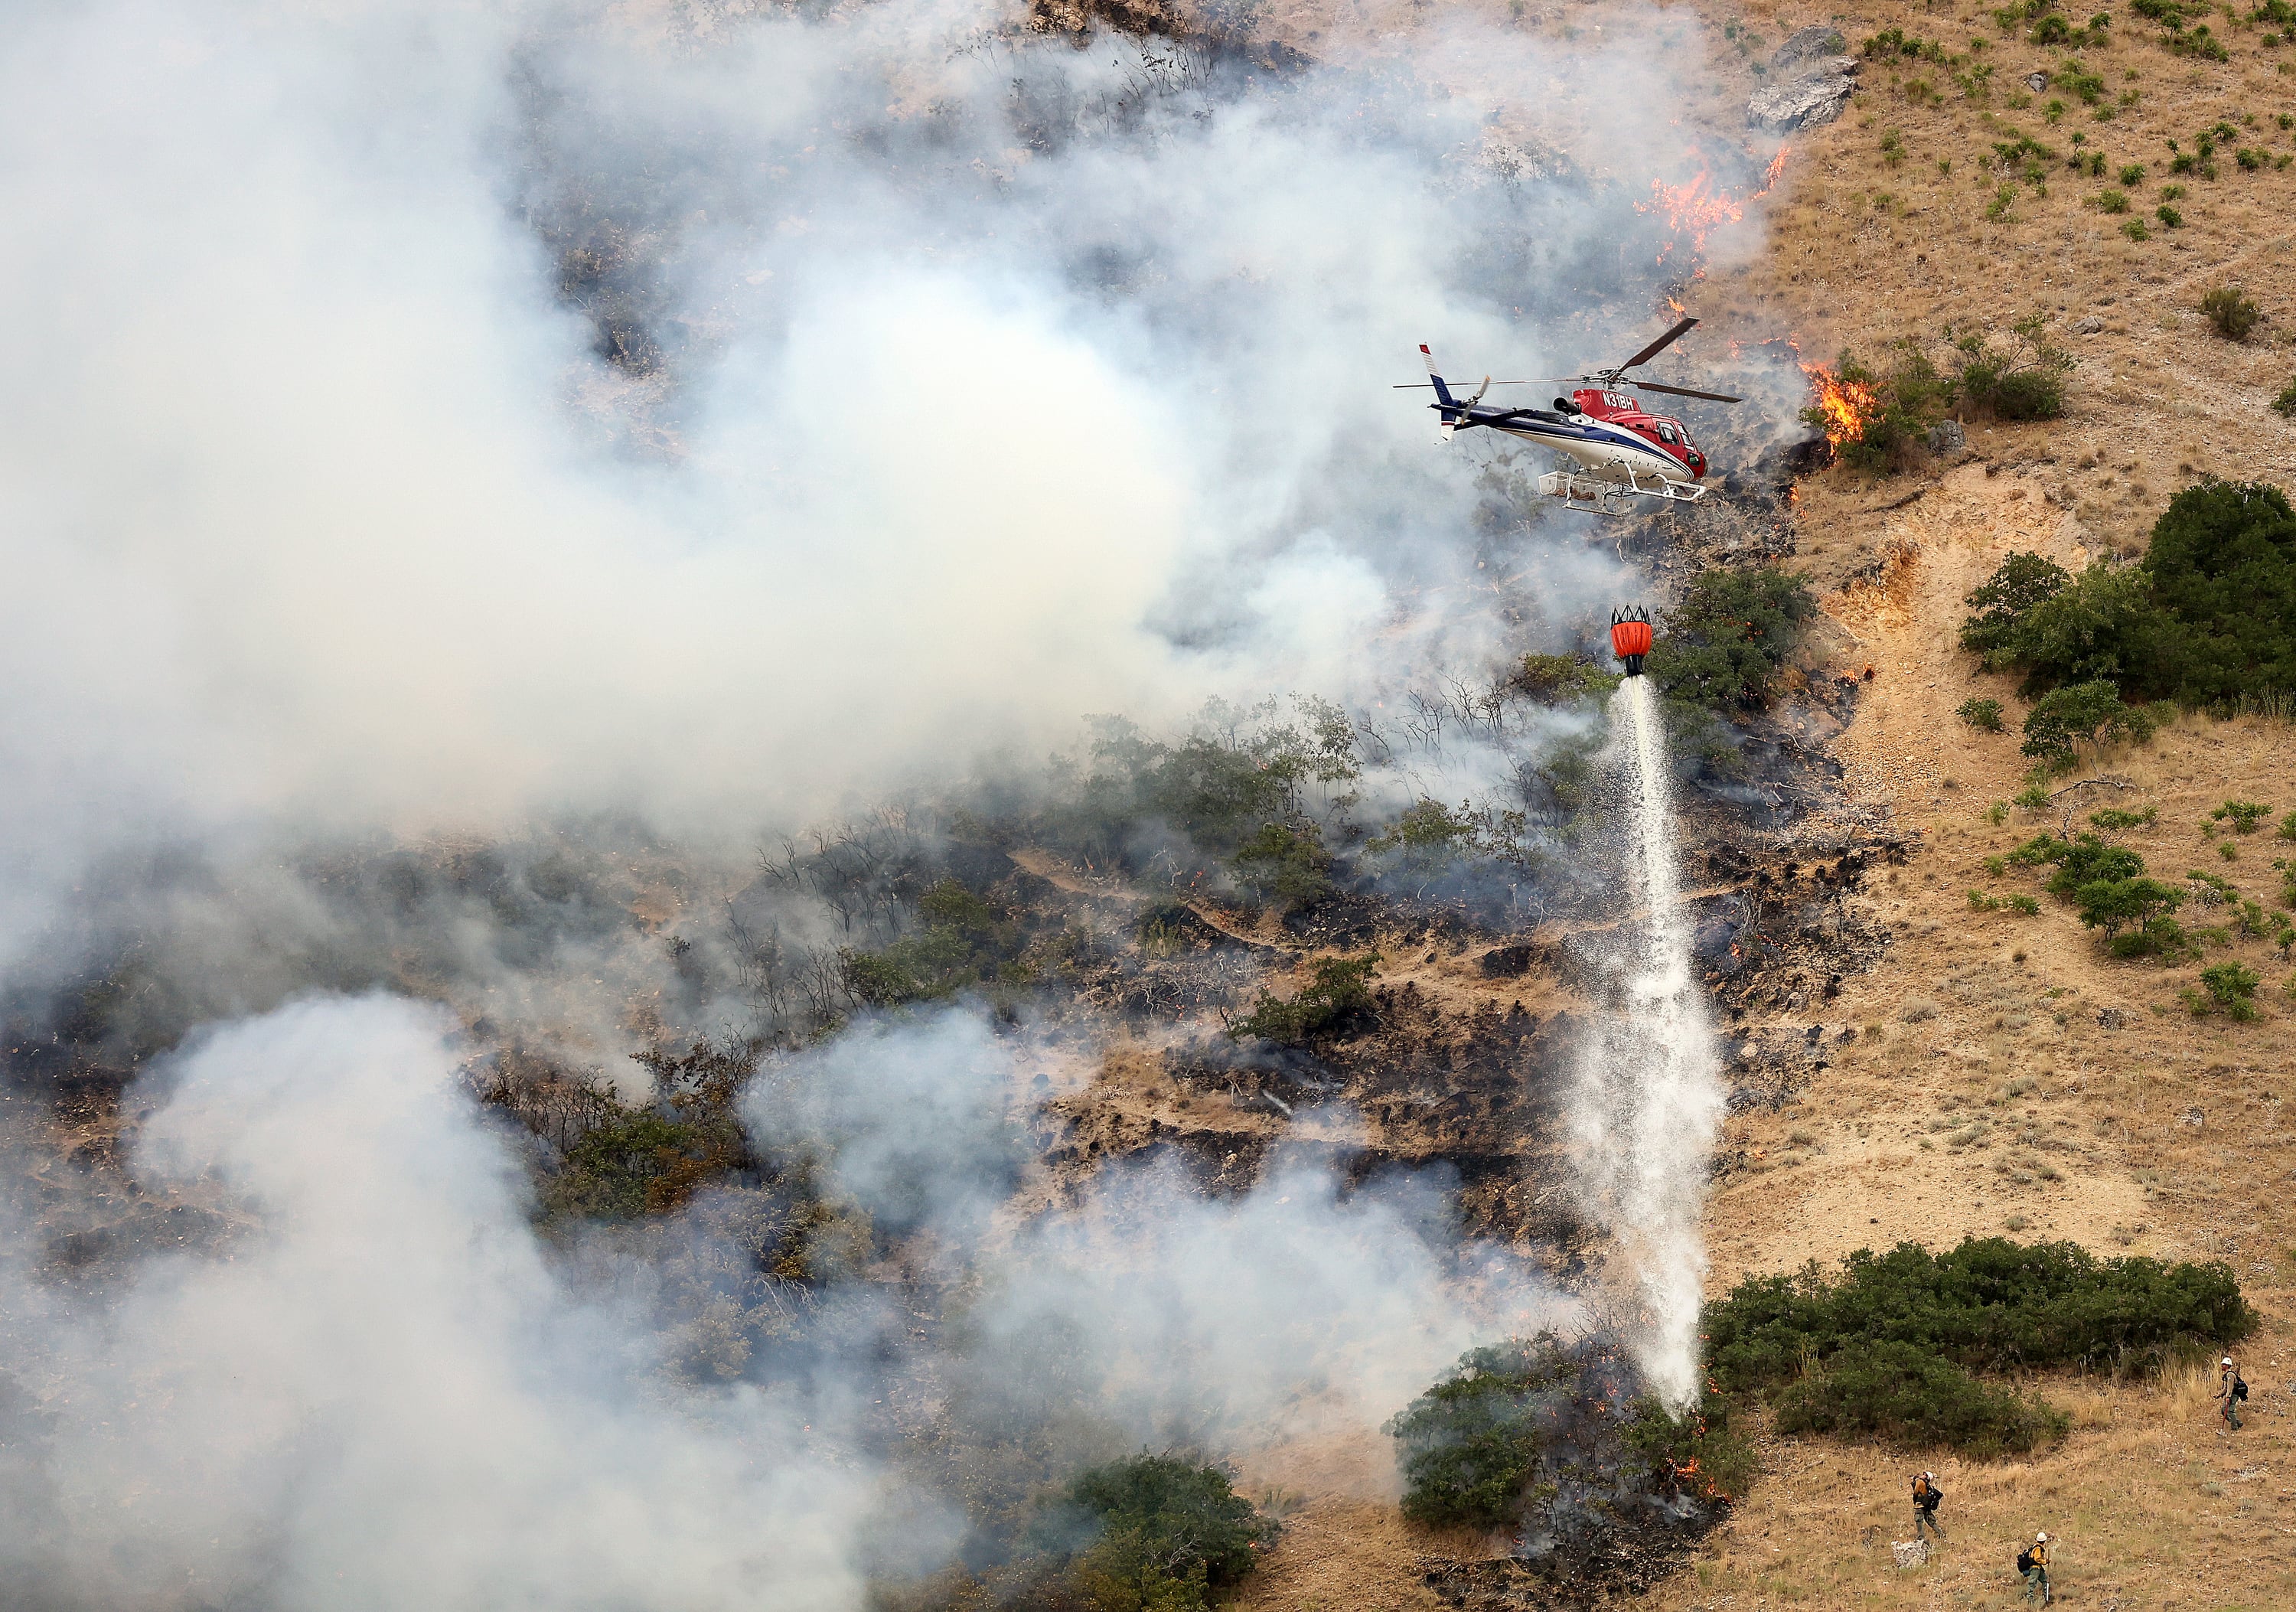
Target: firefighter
x,y
2231,1390
2033,1562
1926,1496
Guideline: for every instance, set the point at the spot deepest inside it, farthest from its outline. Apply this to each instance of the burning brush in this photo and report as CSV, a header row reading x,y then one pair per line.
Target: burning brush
x,y
1847,403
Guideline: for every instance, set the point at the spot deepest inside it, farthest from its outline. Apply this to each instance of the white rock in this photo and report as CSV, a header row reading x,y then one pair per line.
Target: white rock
x,y
1815,98
1909,1552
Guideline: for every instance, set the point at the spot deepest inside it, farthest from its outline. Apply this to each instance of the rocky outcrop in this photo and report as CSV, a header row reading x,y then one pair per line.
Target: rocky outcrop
x,y
1818,41
1815,95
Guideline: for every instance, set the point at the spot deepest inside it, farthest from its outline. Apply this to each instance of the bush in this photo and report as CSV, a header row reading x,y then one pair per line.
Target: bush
x,y
1697,1452
1906,1395
1164,1533
2231,311
2131,174
2082,713
1898,408
2111,201
1339,992
1286,861
2024,381
2222,564
2005,600
2232,989
2113,905
1987,1306
1470,1444
1561,680
1984,714
2170,218
1721,646
2113,820
2134,228
2101,625
2243,815
2285,403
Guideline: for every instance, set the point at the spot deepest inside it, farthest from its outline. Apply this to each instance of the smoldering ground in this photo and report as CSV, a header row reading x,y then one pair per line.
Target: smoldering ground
x,y
435,420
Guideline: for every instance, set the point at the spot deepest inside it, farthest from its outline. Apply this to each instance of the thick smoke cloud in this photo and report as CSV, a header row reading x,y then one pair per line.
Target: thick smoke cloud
x,y
429,417
966,384
374,1390
375,1394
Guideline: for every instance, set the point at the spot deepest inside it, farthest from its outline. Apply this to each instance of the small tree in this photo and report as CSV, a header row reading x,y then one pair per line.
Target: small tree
x,y
2232,989
2089,713
2113,905
1725,642
1286,860
2004,600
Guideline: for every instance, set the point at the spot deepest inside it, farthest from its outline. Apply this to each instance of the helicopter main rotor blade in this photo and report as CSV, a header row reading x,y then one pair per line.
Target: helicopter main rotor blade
x,y
1684,392
1659,346
1428,385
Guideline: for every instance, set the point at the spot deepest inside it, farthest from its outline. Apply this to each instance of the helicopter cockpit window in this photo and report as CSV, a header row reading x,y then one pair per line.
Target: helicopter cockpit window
x,y
1666,433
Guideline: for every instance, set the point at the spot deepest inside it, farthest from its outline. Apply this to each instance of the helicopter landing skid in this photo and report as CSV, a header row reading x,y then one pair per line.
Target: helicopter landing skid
x,y
1597,495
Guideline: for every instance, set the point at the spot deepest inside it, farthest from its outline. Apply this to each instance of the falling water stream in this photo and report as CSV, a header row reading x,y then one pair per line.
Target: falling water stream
x,y
1649,1094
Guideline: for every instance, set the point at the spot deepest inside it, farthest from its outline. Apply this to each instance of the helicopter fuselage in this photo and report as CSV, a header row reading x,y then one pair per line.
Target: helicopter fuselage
x,y
1609,433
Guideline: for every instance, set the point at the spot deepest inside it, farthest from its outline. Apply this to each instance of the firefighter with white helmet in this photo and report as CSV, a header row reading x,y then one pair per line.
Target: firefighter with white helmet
x,y
2033,1562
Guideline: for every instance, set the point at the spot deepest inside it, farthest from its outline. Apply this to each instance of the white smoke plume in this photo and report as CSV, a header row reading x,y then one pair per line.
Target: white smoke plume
x,y
1648,1098
374,1390
993,383
959,385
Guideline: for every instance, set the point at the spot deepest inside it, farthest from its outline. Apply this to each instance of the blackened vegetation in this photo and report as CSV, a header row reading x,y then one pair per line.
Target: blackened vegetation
x,y
1549,1443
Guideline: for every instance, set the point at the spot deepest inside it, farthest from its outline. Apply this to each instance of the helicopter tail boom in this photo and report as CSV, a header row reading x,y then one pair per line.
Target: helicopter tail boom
x,y
1442,393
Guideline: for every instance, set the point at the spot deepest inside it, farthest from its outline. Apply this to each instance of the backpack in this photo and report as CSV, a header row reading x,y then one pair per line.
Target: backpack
x,y
2025,1562
2239,1387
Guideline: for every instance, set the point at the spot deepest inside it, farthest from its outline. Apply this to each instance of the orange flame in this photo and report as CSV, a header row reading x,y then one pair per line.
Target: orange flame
x,y
1849,405
1698,207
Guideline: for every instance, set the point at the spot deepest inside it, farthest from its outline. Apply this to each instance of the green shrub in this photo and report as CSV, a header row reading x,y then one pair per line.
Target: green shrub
x,y
1698,1452
2222,564
1561,680
1286,861
2134,228
2243,815
2232,989
1908,1396
2131,174
2160,937
2101,625
1980,713
2115,821
2113,905
1719,648
2170,218
2230,311
2288,826
2111,201
2025,380
2082,713
2005,600
1987,1306
1339,992
1164,1536
2285,403
1470,1444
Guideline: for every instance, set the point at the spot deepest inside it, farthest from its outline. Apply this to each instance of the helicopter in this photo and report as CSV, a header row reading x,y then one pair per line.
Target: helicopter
x,y
1618,446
